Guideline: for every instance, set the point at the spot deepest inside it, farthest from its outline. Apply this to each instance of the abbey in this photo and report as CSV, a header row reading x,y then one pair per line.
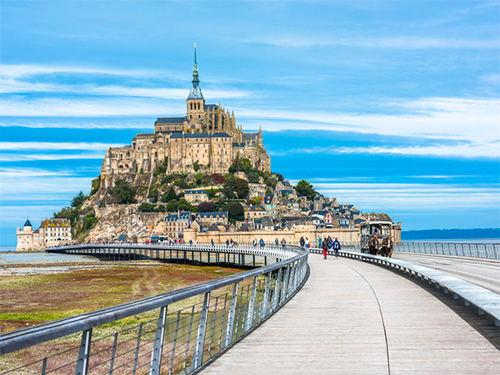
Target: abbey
x,y
206,139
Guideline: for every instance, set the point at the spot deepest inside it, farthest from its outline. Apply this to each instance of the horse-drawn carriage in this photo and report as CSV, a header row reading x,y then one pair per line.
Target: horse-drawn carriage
x,y
376,238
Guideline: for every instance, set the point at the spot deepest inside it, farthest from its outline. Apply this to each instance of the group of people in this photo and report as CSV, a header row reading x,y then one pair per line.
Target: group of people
x,y
328,244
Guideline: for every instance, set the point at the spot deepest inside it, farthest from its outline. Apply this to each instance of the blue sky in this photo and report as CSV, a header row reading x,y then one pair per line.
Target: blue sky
x,y
391,106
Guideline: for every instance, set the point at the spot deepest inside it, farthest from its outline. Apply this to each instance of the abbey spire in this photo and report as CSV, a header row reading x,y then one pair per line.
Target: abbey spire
x,y
195,92
195,102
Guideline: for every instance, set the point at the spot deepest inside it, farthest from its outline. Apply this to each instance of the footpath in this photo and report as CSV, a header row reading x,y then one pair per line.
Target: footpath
x,y
357,318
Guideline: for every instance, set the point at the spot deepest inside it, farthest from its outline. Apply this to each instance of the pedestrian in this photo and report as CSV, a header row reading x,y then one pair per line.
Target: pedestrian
x,y
262,243
190,243
283,243
307,245
336,247
227,243
254,242
320,242
324,245
212,242
276,241
302,241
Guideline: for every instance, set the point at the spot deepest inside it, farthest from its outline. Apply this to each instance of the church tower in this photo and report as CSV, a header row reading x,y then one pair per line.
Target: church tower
x,y
195,101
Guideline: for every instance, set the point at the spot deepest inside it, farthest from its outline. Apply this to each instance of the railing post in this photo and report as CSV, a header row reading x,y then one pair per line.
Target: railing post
x,y
155,364
175,342
263,311
285,285
137,348
82,364
200,338
275,300
189,338
231,317
113,354
251,306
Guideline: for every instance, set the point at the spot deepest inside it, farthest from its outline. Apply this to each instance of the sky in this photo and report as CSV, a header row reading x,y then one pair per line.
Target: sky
x,y
393,106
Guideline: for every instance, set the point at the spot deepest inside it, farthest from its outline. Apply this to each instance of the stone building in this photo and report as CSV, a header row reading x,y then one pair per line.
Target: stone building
x,y
176,223
207,139
52,232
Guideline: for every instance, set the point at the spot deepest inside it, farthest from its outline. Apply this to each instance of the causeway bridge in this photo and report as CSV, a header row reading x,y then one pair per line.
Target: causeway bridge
x,y
292,312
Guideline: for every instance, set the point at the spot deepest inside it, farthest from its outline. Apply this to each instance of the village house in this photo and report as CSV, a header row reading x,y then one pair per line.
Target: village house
x,y
176,223
196,196
254,212
206,219
52,232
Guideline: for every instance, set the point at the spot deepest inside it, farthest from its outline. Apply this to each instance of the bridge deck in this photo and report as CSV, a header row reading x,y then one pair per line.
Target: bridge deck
x,y
356,318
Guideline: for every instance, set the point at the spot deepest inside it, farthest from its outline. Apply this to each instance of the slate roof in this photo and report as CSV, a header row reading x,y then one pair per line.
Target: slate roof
x,y
170,120
195,92
211,214
211,106
189,135
185,215
27,223
200,191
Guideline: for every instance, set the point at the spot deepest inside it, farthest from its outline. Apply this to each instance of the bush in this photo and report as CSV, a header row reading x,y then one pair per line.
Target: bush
x,y
181,183
147,207
253,177
235,211
89,221
122,192
206,207
165,198
96,183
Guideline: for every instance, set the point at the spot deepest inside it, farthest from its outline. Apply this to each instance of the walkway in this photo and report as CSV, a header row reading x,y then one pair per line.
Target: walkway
x,y
357,318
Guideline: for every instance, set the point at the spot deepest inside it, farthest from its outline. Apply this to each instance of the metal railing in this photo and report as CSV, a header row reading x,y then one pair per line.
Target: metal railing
x,y
170,333
476,250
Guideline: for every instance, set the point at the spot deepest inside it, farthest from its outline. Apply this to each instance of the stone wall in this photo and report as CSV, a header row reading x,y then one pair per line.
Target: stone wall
x,y
343,235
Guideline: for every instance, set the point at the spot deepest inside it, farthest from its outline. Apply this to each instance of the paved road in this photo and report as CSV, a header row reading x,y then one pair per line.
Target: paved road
x,y
482,272
353,317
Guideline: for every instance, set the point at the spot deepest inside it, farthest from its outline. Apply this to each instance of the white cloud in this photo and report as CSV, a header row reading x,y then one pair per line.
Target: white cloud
x,y
483,149
400,42
47,146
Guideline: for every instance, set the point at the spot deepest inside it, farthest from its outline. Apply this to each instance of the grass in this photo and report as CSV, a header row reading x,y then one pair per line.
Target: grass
x,y
30,300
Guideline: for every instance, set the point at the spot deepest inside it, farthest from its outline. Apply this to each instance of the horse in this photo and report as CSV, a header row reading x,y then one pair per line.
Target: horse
x,y
373,245
386,248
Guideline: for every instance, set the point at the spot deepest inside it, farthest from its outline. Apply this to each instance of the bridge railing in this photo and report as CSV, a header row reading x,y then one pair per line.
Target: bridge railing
x,y
174,332
476,250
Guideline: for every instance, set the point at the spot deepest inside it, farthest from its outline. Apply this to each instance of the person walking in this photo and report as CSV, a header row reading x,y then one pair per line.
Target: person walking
x,y
324,245
336,247
320,242
307,243
276,241
302,241
262,243
254,242
283,243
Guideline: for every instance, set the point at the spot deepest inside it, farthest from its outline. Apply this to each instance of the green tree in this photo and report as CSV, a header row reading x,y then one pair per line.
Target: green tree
x,y
305,188
172,205
206,207
268,191
154,194
181,183
122,192
196,166
184,205
229,186
235,211
253,177
169,196
241,188
78,199
146,207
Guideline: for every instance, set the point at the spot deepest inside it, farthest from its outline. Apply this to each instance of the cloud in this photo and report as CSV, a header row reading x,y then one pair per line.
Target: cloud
x,y
470,150
50,146
449,118
400,42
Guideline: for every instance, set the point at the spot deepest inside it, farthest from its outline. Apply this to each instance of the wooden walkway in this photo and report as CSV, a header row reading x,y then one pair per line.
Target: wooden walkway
x,y
357,318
